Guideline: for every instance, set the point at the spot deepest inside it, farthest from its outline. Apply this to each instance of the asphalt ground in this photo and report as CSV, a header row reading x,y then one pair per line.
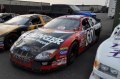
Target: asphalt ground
x,y
80,69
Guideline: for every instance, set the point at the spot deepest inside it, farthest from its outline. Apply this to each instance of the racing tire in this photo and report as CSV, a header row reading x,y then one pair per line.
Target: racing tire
x,y
72,52
10,39
98,34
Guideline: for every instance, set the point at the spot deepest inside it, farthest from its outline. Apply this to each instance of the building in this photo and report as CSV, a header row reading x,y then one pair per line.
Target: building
x,y
94,8
22,7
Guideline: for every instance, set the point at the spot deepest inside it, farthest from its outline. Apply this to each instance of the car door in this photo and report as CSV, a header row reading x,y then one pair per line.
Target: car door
x,y
88,30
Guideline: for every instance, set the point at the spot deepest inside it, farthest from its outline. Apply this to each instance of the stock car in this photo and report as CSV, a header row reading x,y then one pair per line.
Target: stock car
x,y
13,28
6,16
107,62
56,44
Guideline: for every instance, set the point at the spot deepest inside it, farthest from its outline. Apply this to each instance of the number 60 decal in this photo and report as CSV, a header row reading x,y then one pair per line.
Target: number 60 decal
x,y
90,35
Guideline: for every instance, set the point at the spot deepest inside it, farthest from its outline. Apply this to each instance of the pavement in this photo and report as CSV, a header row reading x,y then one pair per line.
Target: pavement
x,y
80,69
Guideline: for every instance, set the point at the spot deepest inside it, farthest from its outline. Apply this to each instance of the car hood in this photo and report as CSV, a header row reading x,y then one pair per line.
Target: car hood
x,y
4,28
109,53
41,40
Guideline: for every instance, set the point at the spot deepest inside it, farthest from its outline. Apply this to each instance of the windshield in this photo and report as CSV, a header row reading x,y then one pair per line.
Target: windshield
x,y
18,20
63,24
75,8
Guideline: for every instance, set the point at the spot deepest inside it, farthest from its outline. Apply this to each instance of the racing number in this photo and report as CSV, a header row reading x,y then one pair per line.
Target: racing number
x,y
90,35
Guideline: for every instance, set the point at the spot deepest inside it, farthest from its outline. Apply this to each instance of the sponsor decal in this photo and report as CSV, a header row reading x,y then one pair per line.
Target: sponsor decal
x,y
117,35
54,63
62,61
63,50
115,45
22,59
45,39
90,36
115,53
44,63
82,37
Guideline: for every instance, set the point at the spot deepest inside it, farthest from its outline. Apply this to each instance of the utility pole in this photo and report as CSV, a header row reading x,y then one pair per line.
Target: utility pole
x,y
117,14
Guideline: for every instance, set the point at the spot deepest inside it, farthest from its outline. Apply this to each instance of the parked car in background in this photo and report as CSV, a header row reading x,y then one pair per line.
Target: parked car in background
x,y
6,16
107,62
57,10
13,28
56,44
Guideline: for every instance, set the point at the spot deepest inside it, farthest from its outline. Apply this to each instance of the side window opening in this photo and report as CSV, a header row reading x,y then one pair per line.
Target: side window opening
x,y
35,21
85,24
46,18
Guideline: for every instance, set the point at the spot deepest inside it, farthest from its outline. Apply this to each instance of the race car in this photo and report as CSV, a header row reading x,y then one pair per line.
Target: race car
x,y
13,28
6,16
107,62
56,44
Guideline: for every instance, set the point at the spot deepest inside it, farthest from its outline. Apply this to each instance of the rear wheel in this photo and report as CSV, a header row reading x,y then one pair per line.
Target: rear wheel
x,y
98,34
72,52
10,39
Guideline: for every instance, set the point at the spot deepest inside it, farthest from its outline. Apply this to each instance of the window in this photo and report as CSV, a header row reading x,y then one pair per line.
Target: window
x,y
63,24
92,21
85,24
35,20
46,18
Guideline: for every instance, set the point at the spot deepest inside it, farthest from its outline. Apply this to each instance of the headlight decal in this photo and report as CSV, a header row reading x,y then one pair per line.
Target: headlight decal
x,y
46,55
108,70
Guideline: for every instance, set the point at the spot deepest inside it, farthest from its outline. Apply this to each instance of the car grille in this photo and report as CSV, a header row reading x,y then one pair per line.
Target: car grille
x,y
23,55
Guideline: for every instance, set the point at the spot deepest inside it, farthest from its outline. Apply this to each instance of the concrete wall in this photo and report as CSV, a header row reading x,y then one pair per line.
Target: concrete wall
x,y
88,7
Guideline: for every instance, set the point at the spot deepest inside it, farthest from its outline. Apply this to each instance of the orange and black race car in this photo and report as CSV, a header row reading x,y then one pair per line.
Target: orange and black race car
x,y
13,28
56,44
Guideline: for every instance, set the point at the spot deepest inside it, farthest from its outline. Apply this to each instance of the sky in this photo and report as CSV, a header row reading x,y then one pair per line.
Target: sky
x,y
74,2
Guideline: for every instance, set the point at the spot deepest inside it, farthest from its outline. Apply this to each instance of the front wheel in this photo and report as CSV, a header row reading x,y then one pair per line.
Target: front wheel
x,y
72,52
10,39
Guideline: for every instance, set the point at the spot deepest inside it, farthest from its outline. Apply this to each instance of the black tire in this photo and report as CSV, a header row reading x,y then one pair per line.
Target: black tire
x,y
98,33
72,52
10,39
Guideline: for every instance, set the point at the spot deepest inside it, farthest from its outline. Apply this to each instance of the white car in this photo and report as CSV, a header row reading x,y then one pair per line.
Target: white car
x,y
107,62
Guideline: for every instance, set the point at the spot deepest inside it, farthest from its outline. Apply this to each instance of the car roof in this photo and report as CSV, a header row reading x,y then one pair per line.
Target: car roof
x,y
30,15
6,13
73,16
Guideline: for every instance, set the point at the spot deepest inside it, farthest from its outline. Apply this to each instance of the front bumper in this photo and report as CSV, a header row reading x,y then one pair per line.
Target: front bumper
x,y
96,74
34,65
